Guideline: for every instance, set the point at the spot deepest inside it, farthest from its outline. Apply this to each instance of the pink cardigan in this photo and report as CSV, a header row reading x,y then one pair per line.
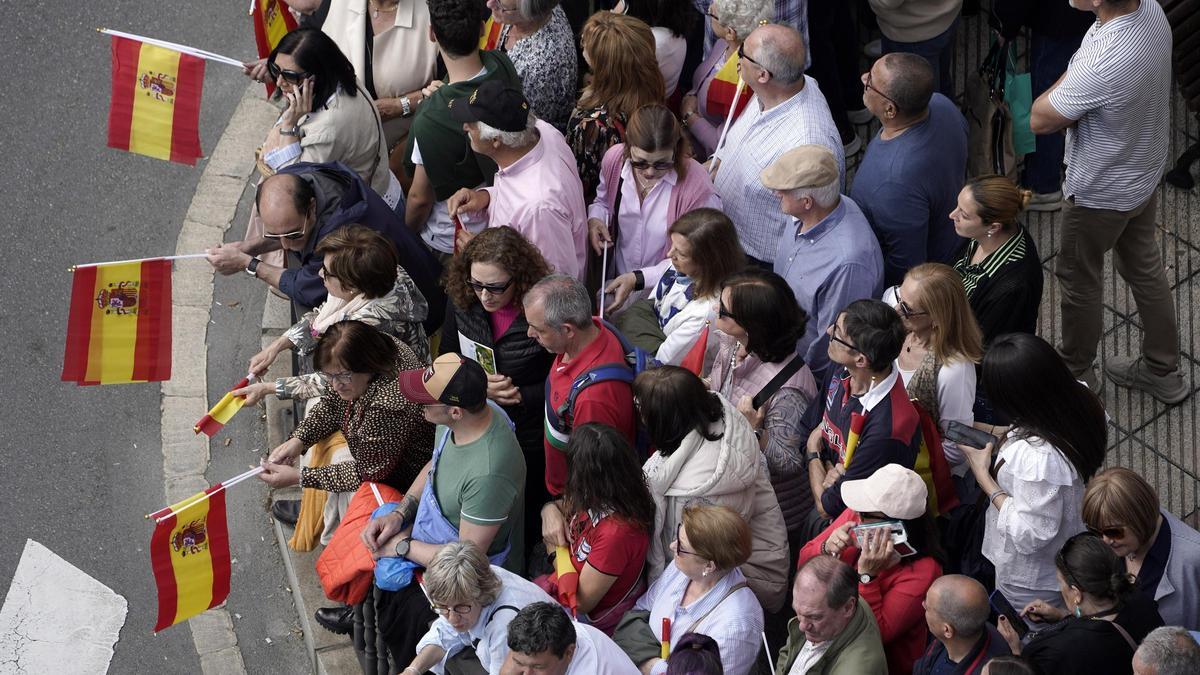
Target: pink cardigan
x,y
690,192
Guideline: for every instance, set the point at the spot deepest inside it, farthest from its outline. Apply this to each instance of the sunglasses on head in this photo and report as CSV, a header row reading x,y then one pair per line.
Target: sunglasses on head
x,y
294,76
494,289
657,166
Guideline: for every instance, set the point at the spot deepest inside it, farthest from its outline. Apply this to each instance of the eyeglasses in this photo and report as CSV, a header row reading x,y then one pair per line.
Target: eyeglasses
x,y
903,307
297,234
343,377
276,72
494,289
642,165
679,544
326,274
867,85
724,312
712,16
1113,533
507,10
832,332
443,610
742,57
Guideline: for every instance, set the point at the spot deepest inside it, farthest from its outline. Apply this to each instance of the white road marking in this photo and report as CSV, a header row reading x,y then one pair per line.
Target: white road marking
x,y
56,618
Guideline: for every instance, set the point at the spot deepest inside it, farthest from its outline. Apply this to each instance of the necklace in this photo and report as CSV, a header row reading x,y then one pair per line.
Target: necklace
x,y
643,189
376,8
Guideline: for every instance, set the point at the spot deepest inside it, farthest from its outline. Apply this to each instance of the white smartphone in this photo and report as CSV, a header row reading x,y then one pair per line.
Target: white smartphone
x,y
898,533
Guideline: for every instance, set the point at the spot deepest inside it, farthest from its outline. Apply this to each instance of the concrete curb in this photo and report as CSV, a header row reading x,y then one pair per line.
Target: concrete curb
x,y
185,395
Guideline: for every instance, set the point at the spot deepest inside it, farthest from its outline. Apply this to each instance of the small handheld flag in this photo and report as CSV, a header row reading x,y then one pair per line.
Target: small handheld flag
x,y
189,553
155,108
665,651
694,359
568,580
272,20
220,414
491,35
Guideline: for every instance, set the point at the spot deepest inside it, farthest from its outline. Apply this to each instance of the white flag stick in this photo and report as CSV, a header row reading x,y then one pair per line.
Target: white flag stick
x,y
134,260
378,497
603,271
737,94
160,516
767,648
183,49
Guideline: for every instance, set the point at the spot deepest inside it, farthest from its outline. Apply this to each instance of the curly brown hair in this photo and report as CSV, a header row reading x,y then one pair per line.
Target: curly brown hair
x,y
501,246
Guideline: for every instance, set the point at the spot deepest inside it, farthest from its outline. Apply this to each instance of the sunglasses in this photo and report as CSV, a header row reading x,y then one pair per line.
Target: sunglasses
x,y
903,307
494,289
1112,533
867,85
657,166
741,52
298,234
294,76
724,313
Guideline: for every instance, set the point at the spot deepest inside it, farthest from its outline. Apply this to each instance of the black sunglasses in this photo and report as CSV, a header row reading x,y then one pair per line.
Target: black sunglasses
x,y
494,289
742,55
1113,533
657,166
294,76
723,312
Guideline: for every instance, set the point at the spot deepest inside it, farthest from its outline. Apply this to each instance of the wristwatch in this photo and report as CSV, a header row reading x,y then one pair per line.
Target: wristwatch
x,y
865,578
405,106
811,456
252,267
402,546
294,130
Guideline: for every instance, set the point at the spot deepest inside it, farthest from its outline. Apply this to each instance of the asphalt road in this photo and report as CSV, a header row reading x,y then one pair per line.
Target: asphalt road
x,y
79,466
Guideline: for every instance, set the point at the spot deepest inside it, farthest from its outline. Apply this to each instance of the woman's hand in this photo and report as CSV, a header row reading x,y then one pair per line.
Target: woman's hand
x,y
502,390
300,102
753,415
255,392
979,459
1009,634
1041,611
877,553
256,70
838,540
287,452
279,475
601,239
554,525
620,287
688,105
263,360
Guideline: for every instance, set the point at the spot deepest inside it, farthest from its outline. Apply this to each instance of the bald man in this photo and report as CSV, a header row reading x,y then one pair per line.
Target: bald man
x,y
300,206
956,611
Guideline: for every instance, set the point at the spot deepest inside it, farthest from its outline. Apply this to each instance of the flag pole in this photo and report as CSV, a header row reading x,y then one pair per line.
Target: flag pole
x,y
603,272
737,94
72,268
183,49
160,516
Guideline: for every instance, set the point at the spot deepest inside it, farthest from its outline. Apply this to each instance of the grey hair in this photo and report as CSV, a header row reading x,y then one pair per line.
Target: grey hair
x,y
461,573
1170,650
532,10
511,139
840,580
565,300
785,62
825,196
743,16
963,615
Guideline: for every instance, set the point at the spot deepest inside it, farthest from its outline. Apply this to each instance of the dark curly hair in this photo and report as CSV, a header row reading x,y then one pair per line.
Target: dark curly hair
x,y
604,475
457,24
763,304
500,246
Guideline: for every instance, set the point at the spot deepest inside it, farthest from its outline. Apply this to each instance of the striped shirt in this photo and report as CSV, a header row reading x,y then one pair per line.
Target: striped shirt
x,y
1011,250
1118,87
756,139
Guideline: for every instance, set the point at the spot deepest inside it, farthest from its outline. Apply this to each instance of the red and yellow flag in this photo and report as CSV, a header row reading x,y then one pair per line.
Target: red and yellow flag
x,y
491,34
722,89
857,421
932,466
568,579
694,359
220,414
189,552
272,20
155,101
119,329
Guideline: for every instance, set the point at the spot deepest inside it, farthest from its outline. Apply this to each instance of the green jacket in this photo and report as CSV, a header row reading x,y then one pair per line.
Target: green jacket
x,y
858,650
446,153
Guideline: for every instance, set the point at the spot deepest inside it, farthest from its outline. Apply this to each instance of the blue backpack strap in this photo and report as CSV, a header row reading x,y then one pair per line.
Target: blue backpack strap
x,y
605,372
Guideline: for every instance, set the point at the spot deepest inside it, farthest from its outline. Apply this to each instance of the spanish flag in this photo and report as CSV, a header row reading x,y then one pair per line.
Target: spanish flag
x,y
155,101
932,466
722,89
272,20
220,414
189,552
491,35
119,329
694,359
857,421
568,580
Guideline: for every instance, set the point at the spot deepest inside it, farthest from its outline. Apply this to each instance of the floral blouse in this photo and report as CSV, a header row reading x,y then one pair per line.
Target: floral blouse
x,y
590,134
546,62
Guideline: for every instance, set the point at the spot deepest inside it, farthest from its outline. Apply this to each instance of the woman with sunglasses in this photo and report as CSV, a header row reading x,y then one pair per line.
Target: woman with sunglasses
x,y
705,448
704,252
703,590
1104,621
387,436
705,108
1034,484
759,322
609,513
646,183
941,349
486,283
1160,551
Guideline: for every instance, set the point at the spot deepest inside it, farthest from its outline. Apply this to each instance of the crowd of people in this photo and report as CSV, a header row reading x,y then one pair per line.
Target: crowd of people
x,y
659,388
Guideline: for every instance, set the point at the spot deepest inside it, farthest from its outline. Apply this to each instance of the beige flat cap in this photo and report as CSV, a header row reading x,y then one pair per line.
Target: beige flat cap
x,y
801,167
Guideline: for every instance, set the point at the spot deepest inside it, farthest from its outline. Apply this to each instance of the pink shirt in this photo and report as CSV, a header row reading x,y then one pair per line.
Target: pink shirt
x,y
541,196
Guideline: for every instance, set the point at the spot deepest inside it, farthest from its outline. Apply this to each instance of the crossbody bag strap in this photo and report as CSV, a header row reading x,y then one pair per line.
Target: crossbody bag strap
x,y
734,589
777,382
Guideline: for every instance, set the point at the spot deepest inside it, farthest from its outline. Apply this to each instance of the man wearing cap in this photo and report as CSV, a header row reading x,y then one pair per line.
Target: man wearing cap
x,y
893,585
827,253
438,156
472,490
537,190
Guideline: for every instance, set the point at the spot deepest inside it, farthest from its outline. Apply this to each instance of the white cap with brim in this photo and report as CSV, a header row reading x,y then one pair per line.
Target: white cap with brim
x,y
892,490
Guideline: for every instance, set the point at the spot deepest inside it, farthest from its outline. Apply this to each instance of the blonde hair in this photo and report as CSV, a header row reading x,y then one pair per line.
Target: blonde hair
x,y
998,200
956,335
719,534
461,573
625,74
1119,496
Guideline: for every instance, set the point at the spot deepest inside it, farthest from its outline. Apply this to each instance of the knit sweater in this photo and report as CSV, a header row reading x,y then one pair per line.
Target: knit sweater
x,y
915,20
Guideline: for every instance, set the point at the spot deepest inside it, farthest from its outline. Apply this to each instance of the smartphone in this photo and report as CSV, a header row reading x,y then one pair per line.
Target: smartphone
x,y
898,533
968,435
1004,607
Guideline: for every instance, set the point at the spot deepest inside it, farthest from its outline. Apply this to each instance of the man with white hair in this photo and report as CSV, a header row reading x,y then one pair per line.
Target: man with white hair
x,y
787,110
827,252
537,190
1167,650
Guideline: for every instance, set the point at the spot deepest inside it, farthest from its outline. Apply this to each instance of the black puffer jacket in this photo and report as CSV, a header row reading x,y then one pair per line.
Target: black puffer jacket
x,y
517,356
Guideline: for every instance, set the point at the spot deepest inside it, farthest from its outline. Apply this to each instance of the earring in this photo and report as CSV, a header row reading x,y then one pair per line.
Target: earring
x,y
1078,612
989,235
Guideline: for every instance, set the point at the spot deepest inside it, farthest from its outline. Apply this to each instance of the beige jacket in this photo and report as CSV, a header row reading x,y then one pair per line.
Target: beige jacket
x,y
915,20
730,471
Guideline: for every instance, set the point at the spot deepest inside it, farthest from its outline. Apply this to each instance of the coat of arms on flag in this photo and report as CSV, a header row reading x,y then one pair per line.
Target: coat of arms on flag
x,y
189,552
155,107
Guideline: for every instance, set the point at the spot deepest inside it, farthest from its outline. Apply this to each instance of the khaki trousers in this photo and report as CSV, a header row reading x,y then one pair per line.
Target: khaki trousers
x,y
1087,234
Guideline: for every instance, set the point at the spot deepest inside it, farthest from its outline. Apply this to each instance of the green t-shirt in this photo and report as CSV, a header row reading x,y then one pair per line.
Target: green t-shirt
x,y
483,483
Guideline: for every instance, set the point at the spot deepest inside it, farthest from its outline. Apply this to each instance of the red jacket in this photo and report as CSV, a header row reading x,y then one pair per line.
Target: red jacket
x,y
895,597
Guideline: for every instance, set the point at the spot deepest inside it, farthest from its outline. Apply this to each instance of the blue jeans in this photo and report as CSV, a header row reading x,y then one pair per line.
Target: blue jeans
x,y
938,51
1048,58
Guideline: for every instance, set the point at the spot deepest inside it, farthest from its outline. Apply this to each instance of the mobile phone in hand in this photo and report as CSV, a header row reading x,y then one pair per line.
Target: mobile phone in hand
x,y
970,436
1004,608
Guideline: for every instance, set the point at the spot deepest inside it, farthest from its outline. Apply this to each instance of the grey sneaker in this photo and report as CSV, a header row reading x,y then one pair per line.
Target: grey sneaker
x,y
1092,380
1045,202
1133,373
